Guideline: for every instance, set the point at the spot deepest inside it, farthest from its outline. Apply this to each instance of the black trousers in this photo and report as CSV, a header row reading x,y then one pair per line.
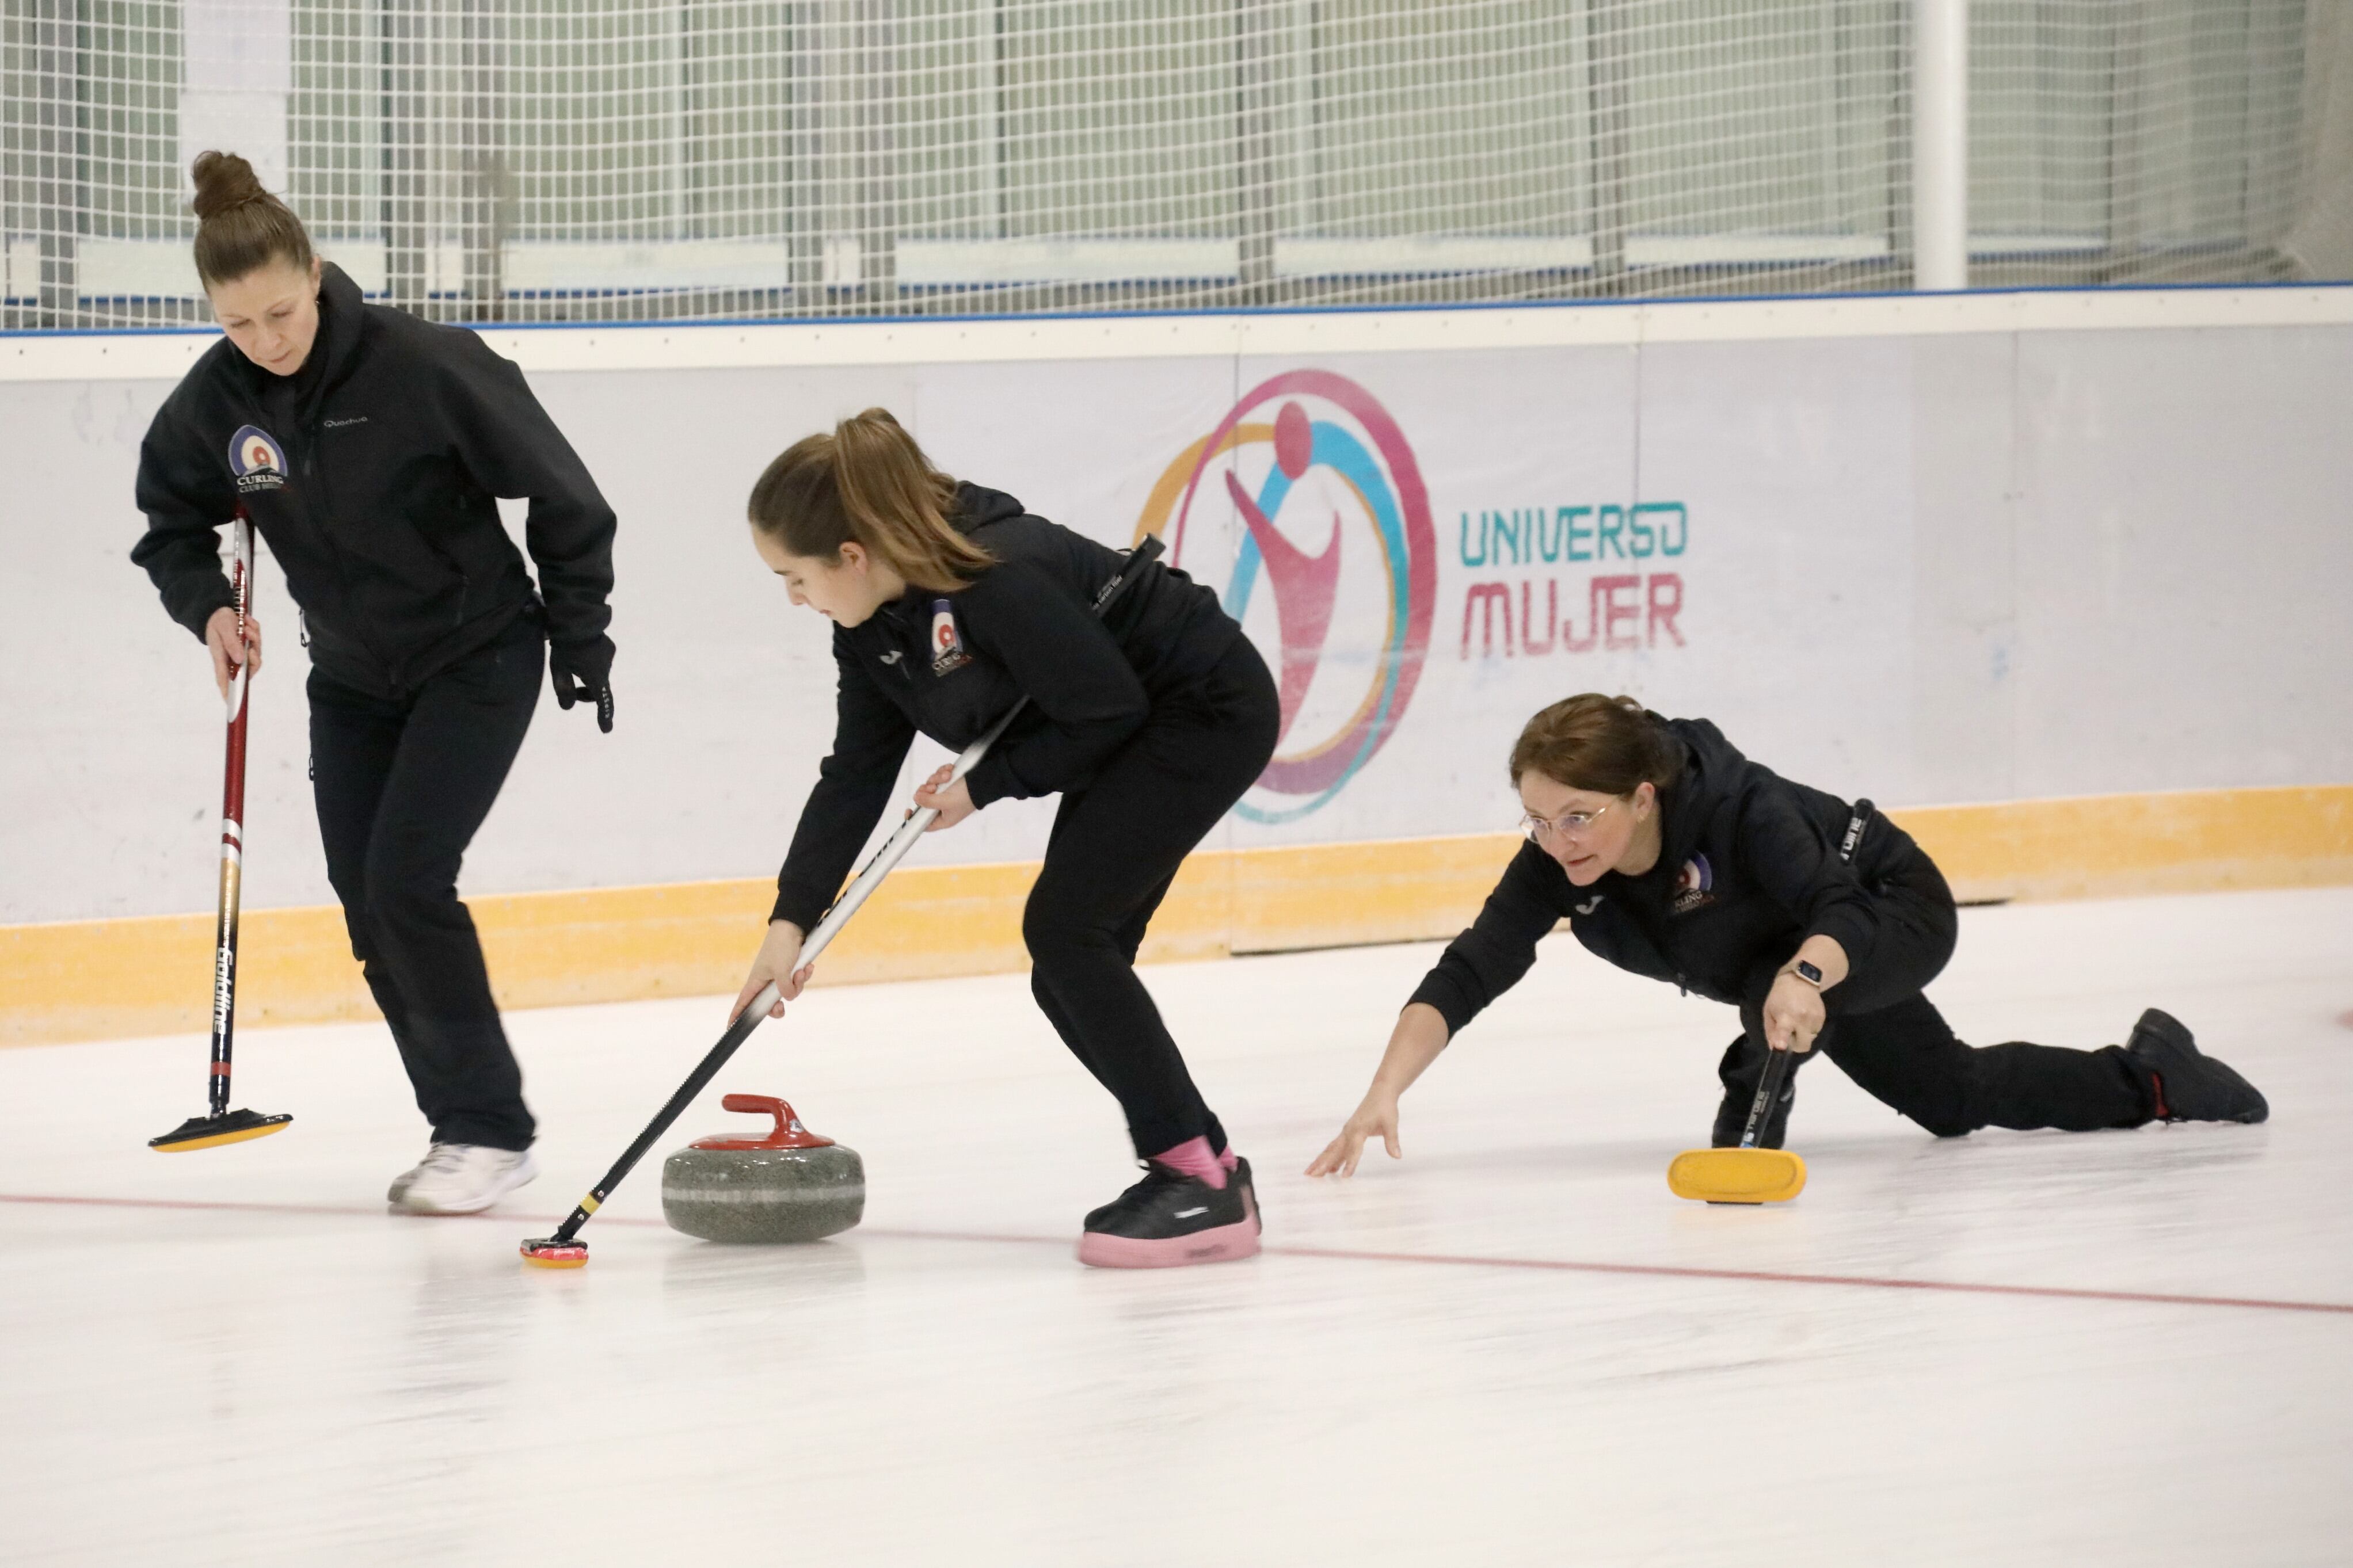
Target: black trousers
x,y
1891,1041
401,787
1115,848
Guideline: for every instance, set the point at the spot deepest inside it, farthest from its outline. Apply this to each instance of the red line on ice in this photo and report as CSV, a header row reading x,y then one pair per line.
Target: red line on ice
x,y
1335,1254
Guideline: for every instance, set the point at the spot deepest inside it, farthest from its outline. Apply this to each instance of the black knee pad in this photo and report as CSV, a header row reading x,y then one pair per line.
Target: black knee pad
x,y
1953,1115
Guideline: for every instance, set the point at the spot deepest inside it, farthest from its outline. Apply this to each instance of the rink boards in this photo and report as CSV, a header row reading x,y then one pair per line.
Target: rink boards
x,y
101,979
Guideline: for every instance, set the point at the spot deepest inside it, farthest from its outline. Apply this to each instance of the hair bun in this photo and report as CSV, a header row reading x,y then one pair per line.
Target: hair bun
x,y
223,181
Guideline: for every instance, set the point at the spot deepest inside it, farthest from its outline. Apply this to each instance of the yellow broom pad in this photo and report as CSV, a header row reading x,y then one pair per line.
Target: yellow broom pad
x,y
214,1141
1736,1175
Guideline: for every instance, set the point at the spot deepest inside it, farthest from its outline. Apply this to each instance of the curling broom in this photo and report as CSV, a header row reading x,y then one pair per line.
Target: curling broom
x,y
221,1125
1750,1174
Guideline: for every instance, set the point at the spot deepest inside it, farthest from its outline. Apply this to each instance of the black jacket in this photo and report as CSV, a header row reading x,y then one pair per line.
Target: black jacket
x,y
1749,868
382,510
951,666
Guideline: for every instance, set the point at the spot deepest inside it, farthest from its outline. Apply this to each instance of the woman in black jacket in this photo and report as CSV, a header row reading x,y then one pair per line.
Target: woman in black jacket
x,y
949,603
369,448
1672,854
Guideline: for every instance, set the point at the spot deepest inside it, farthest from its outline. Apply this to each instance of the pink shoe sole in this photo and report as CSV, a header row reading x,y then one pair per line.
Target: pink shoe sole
x,y
1223,1244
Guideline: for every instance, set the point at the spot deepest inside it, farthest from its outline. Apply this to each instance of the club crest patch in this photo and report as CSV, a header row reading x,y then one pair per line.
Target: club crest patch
x,y
948,653
256,460
1695,888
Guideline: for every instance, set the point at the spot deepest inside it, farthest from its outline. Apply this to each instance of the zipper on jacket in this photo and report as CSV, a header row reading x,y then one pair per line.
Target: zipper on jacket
x,y
314,480
450,561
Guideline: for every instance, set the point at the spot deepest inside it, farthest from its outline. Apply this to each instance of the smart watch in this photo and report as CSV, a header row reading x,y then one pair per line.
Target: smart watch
x,y
1806,972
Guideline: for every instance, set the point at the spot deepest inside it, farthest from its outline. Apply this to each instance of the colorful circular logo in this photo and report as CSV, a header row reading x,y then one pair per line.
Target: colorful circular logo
x,y
251,450
1310,455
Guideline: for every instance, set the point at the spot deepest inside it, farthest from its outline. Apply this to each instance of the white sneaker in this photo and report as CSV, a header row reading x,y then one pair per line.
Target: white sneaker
x,y
406,1179
462,1178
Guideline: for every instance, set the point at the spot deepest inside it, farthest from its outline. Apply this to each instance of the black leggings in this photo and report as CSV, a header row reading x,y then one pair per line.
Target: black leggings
x,y
1115,848
1891,1041
401,787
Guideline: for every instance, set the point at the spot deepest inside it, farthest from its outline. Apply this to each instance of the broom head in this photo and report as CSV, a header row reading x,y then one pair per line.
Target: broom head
x,y
1736,1175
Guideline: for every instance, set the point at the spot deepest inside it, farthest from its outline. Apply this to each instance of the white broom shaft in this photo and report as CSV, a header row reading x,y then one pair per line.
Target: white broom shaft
x,y
892,852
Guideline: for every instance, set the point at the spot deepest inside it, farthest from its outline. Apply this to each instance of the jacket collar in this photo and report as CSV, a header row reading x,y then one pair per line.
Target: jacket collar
x,y
346,315
342,318
1683,815
1683,819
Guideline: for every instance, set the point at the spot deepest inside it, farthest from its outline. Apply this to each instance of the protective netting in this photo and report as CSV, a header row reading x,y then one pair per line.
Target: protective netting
x,y
524,160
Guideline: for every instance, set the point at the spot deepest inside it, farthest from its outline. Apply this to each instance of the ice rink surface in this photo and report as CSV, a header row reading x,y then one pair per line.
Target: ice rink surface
x,y
1513,1347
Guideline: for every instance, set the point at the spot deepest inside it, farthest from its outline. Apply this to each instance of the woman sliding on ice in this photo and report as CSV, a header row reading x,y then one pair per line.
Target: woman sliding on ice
x,y
1672,854
950,604
368,447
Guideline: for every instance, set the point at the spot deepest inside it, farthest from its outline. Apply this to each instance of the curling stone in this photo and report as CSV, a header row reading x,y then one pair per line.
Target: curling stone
x,y
790,1184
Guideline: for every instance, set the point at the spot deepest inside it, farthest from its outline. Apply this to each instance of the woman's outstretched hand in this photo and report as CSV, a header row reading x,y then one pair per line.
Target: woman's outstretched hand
x,y
1414,1044
1378,1116
220,641
952,800
778,960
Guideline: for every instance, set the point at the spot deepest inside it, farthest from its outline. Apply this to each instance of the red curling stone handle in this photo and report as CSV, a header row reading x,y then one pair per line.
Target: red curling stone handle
x,y
787,1132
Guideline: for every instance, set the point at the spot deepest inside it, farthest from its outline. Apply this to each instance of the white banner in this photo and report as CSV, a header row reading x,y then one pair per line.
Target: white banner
x,y
1937,568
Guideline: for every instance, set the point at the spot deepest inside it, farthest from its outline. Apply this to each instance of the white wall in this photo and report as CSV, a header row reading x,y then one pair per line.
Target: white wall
x,y
1960,560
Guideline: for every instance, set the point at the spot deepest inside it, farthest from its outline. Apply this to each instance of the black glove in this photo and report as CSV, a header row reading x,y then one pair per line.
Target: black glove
x,y
584,669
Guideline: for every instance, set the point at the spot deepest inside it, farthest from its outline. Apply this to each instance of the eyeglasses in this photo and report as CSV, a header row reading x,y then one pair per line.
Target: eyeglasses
x,y
1568,824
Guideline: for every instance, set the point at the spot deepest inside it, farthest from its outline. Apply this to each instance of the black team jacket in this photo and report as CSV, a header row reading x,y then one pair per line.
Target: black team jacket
x,y
950,665
1750,868
373,481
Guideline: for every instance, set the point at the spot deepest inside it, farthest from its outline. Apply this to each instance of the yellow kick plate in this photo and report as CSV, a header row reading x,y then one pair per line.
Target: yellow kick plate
x,y
217,1139
1736,1175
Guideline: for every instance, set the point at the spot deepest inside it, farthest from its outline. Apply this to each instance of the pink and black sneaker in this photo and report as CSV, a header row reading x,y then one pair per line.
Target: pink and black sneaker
x,y
1175,1216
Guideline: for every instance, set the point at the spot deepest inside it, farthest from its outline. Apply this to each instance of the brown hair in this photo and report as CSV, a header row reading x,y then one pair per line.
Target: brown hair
x,y
869,482
240,227
1606,744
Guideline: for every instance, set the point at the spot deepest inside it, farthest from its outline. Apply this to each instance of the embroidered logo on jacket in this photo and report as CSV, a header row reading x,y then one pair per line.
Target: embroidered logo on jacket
x,y
256,460
947,645
1695,888
341,424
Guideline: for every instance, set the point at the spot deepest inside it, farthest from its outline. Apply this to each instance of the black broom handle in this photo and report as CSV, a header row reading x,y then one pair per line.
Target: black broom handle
x,y
1776,1066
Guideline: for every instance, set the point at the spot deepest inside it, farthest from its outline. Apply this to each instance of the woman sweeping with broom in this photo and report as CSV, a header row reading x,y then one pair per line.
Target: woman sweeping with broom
x,y
369,448
1673,856
950,604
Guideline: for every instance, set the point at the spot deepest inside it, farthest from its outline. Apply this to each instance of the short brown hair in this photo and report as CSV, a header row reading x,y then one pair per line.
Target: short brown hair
x,y
240,227
1611,745
869,482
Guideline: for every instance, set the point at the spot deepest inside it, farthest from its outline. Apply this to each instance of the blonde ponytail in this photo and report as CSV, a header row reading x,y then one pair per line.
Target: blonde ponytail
x,y
867,482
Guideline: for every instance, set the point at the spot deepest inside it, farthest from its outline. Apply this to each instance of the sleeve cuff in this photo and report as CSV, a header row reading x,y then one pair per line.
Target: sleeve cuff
x,y
1438,991
792,904
201,610
1852,931
990,781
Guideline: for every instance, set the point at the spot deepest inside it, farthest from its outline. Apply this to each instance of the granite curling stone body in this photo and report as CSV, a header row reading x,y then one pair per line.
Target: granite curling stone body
x,y
790,1185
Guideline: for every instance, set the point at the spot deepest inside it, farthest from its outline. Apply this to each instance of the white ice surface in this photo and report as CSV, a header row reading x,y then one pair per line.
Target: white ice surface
x,y
312,1381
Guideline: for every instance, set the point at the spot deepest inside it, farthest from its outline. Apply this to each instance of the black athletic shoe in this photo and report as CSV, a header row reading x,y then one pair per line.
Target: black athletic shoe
x,y
2190,1086
1170,1218
1732,1116
1240,1178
